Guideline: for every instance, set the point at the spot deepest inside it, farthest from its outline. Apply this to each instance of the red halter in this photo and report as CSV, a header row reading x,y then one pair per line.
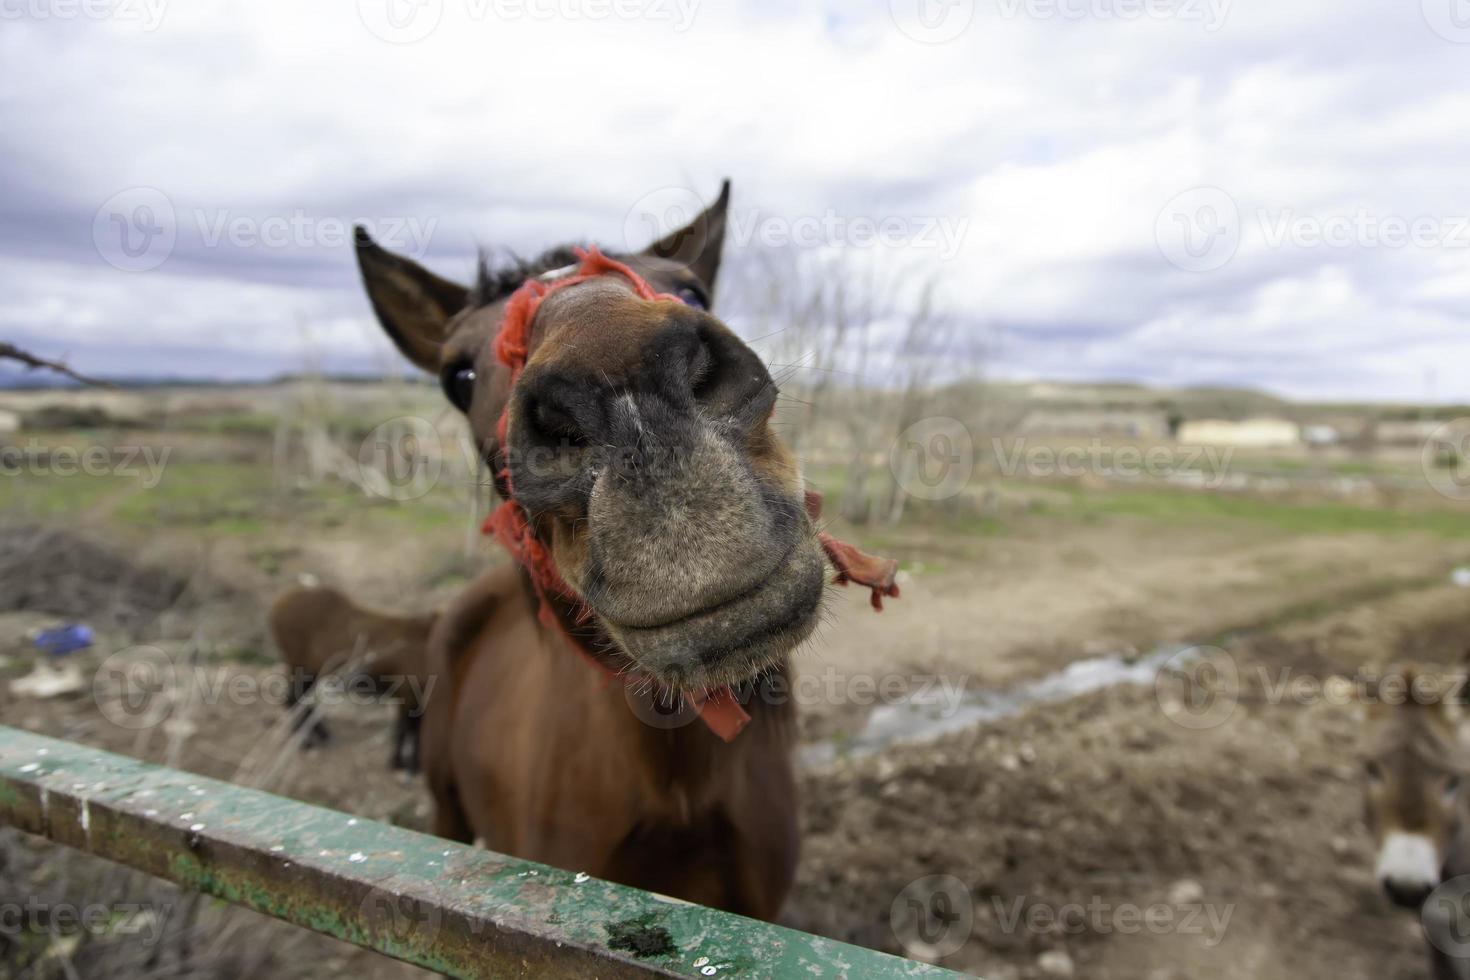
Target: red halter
x,y
717,708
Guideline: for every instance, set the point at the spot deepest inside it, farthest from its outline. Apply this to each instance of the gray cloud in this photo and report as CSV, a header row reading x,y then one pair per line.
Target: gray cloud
x,y
1057,133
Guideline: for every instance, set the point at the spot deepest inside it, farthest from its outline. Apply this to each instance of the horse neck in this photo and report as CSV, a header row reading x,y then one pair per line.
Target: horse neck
x,y
687,757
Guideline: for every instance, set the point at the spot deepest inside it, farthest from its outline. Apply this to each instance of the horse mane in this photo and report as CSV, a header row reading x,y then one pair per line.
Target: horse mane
x,y
495,281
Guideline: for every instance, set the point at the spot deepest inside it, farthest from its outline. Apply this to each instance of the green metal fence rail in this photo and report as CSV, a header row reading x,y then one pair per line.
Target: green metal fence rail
x,y
455,909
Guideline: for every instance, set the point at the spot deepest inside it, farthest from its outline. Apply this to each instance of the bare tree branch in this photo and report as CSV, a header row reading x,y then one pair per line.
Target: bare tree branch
x,y
14,353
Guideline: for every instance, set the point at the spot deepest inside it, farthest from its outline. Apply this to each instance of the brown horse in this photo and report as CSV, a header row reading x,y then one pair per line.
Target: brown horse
x,y
662,531
320,631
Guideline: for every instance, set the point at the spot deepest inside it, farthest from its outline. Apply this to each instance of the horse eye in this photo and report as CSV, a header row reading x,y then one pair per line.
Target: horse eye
x,y
458,381
1375,772
690,296
1452,786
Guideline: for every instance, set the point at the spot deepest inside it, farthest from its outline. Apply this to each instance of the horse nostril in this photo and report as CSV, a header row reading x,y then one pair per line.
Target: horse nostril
x,y
558,411
727,379
1408,894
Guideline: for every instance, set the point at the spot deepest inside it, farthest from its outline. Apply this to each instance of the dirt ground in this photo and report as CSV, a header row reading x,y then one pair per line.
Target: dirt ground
x,y
1247,836
1055,827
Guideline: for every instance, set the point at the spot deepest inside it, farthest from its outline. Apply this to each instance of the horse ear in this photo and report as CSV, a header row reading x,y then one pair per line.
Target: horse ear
x,y
699,243
413,305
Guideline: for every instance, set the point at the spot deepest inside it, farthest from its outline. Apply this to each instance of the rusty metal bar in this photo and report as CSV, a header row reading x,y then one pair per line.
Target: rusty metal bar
x,y
451,908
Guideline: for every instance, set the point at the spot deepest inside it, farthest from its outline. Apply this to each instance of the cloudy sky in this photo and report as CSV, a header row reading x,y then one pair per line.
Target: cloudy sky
x,y
1243,192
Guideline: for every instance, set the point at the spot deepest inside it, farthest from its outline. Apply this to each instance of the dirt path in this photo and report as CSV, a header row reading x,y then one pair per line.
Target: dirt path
x,y
1098,807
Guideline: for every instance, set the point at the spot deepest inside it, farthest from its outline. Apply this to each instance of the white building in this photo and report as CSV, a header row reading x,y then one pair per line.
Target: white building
x,y
1257,433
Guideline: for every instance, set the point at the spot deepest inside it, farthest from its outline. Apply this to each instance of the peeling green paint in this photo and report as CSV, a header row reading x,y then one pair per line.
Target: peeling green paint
x,y
451,908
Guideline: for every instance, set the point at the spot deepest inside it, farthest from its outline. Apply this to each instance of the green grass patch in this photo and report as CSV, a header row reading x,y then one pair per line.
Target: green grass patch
x,y
1323,517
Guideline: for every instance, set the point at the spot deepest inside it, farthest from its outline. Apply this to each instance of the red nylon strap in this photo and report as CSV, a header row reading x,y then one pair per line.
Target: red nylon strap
x,y
717,708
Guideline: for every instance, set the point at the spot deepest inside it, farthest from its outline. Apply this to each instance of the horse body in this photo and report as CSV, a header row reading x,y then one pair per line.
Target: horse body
x,y
665,544
533,753
318,630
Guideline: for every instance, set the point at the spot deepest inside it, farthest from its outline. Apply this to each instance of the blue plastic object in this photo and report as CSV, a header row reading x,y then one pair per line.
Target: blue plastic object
x,y
61,640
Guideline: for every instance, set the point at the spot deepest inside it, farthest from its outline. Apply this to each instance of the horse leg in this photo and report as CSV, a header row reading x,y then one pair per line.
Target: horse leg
x,y
449,820
414,724
396,760
318,734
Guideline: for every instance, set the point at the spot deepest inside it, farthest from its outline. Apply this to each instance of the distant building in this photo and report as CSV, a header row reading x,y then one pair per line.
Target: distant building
x,y
1257,433
1320,435
9,421
1405,432
1094,421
